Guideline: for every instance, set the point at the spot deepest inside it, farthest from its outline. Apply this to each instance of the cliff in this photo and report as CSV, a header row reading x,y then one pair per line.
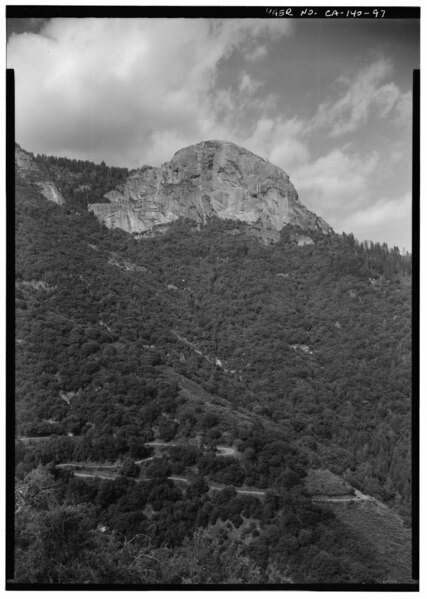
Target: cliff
x,y
212,178
26,167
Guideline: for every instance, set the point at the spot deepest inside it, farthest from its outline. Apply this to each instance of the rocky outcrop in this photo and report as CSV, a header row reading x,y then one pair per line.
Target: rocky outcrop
x,y
212,178
51,192
24,163
304,240
27,167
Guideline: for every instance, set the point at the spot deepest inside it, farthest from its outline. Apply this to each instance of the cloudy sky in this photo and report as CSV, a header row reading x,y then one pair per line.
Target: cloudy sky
x,y
329,101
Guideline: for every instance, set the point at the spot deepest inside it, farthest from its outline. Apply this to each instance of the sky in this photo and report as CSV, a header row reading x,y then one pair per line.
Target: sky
x,y
329,101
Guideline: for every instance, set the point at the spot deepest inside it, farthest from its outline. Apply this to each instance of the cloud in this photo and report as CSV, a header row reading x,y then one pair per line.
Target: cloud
x,y
403,115
248,85
335,183
118,90
339,186
358,99
341,183
279,140
258,53
387,219
384,209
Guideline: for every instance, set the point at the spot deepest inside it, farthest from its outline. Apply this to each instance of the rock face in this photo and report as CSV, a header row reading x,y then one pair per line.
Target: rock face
x,y
27,167
51,192
24,162
212,178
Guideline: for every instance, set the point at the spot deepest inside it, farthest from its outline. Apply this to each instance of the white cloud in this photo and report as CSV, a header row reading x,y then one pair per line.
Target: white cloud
x,y
248,85
404,109
385,209
339,187
385,99
358,99
115,90
336,182
387,219
279,140
258,53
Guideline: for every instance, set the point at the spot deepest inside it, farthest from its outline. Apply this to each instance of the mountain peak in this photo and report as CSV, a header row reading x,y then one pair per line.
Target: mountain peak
x,y
207,179
218,145
212,178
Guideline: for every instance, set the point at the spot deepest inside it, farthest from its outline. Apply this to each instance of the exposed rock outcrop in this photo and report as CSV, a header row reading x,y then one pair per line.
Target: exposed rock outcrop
x,y
27,167
25,163
212,178
51,192
304,240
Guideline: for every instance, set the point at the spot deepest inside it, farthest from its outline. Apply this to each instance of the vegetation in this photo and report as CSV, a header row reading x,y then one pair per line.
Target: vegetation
x,y
296,357
82,182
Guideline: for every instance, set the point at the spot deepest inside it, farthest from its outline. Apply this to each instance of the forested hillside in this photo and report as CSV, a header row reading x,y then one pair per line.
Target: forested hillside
x,y
294,357
81,181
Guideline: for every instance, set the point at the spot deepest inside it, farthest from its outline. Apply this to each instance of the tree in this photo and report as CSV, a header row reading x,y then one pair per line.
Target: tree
x,y
167,429
159,468
198,487
129,468
37,490
204,559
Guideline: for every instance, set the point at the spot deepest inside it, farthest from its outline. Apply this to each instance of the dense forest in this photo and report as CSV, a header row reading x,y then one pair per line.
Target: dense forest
x,y
294,357
82,182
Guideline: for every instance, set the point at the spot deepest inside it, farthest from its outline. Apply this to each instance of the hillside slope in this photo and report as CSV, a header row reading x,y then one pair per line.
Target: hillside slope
x,y
295,354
